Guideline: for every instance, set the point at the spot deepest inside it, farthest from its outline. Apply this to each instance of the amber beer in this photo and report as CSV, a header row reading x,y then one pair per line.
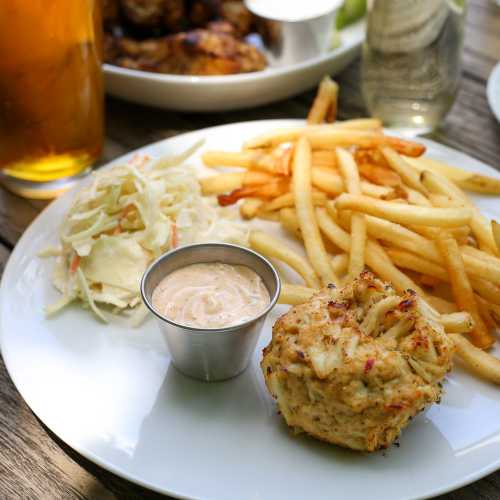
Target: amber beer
x,y
51,94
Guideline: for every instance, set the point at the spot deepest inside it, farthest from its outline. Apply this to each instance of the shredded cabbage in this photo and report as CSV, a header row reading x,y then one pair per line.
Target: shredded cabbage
x,y
127,216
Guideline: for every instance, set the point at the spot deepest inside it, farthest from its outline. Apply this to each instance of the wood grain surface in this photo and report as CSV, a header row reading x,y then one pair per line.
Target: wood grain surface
x,y
34,463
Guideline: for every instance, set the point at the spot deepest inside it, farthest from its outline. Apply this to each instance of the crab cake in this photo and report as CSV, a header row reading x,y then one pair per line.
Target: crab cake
x,y
352,366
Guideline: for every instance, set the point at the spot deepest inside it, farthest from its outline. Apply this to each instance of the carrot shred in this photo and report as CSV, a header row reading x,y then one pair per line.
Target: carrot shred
x,y
175,236
127,209
75,262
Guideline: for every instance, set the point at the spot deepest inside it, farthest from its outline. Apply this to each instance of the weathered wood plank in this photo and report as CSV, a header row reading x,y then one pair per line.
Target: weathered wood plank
x,y
15,215
482,39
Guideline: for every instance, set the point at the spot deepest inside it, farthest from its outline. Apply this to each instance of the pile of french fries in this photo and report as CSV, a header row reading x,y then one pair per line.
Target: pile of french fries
x,y
358,198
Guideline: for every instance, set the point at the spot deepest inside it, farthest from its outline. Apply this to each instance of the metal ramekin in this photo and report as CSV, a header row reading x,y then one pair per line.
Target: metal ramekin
x,y
287,42
210,354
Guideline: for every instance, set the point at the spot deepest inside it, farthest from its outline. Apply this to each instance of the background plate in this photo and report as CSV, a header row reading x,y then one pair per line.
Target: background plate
x,y
230,92
493,91
111,394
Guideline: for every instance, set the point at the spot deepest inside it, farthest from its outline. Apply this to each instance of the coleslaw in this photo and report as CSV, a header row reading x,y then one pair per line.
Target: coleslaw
x,y
130,214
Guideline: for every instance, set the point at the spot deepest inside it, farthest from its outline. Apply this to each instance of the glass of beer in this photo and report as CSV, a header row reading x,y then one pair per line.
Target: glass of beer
x,y
51,94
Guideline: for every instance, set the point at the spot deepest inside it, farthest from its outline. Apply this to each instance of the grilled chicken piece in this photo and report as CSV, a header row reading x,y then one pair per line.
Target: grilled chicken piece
x,y
174,15
197,52
202,12
235,12
144,13
353,366
110,12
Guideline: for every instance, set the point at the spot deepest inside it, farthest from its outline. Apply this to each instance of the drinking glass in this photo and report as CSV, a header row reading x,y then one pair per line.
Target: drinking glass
x,y
51,93
411,61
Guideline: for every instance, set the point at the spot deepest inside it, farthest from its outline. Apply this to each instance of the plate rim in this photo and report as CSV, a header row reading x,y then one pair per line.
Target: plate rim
x,y
89,455
255,76
492,86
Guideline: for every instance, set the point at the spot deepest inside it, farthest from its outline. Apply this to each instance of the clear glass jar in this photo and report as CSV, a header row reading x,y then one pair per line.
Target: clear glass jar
x,y
411,61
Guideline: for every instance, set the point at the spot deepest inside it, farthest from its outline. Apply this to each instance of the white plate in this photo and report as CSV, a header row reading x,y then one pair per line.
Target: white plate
x,y
224,93
493,91
111,394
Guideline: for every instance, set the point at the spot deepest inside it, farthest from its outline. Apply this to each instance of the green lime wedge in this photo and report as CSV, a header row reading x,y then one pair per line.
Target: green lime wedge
x,y
351,11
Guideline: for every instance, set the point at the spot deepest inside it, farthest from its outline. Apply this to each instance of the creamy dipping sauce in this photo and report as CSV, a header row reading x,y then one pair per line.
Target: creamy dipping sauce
x,y
211,295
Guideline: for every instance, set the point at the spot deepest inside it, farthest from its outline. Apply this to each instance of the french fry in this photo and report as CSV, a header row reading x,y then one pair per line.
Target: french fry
x,y
333,138
395,212
244,159
327,180
294,295
340,263
495,310
255,178
281,158
290,222
441,305
325,102
236,195
409,175
370,155
331,182
331,115
249,207
332,230
286,201
290,134
350,173
484,311
324,158
462,289
277,162
376,258
429,281
480,227
416,197
302,193
443,201
379,175
459,322
270,216
411,261
460,233
402,237
270,190
495,229
439,184
485,289
477,183
481,268
480,362
375,191
230,181
223,183
275,248
288,219
480,254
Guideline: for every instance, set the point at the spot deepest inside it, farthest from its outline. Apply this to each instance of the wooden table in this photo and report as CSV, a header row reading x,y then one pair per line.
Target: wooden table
x,y
34,463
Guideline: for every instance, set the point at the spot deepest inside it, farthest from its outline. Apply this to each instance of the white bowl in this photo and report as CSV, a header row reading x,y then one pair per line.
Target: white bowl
x,y
231,92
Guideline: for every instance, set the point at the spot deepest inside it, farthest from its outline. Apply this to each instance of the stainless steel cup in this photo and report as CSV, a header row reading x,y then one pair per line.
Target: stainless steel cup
x,y
288,40
210,354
